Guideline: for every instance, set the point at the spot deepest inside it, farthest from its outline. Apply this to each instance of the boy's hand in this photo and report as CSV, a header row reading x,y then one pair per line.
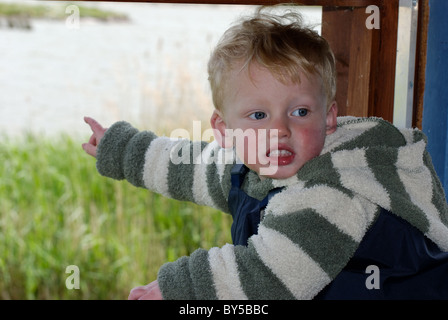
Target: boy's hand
x,y
148,292
94,141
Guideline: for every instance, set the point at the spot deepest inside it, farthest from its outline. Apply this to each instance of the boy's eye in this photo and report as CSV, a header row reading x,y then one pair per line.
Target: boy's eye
x,y
258,115
300,112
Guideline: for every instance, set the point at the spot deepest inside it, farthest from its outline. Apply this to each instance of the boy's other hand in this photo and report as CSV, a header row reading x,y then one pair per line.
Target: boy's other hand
x,y
148,292
98,133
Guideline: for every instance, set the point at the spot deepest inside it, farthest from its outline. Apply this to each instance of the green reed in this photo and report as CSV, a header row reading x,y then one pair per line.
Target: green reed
x,y
56,211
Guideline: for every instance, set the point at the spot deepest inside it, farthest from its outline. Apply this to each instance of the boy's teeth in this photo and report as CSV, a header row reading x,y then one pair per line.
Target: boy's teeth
x,y
280,153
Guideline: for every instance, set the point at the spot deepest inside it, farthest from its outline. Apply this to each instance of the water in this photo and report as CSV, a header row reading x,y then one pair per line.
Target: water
x,y
150,71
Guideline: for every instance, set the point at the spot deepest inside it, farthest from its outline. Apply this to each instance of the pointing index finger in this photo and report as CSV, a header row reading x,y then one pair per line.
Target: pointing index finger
x,y
94,125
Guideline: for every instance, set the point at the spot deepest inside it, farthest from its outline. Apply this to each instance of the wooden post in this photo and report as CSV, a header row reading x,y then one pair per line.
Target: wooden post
x,y
420,63
365,58
383,61
340,43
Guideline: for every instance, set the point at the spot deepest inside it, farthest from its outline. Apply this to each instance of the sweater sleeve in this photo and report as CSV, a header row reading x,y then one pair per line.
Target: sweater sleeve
x,y
181,169
301,246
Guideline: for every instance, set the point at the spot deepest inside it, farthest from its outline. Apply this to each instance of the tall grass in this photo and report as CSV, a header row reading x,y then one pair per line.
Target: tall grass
x,y
56,211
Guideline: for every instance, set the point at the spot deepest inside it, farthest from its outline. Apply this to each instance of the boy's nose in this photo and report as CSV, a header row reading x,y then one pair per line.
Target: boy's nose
x,y
280,128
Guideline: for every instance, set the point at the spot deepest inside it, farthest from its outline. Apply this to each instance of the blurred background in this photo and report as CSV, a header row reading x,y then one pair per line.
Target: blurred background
x,y
139,62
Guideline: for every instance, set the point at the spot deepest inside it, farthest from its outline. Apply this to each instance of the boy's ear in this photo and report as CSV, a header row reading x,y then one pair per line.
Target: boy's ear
x,y
219,129
332,118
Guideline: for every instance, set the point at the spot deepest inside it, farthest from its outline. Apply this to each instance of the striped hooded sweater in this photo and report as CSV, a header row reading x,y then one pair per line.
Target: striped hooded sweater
x,y
310,230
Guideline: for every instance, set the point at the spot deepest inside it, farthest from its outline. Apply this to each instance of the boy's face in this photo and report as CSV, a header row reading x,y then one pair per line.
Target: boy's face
x,y
283,125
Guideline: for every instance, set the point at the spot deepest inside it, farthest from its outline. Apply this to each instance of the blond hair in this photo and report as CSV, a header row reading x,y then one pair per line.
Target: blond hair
x,y
281,43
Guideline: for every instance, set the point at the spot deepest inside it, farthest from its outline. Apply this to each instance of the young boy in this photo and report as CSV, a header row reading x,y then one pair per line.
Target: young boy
x,y
328,208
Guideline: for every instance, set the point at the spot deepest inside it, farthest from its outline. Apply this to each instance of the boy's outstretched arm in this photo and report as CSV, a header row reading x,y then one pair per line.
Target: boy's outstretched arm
x,y
98,133
176,168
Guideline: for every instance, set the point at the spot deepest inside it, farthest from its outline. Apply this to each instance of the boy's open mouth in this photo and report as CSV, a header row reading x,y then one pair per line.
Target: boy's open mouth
x,y
280,156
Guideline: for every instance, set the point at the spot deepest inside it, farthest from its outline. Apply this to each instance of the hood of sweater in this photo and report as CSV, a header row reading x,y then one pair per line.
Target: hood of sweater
x,y
374,160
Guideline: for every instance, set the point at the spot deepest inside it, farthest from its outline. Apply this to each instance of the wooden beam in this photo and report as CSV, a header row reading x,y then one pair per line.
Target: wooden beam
x,y
332,3
365,59
360,66
340,44
383,61
420,63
